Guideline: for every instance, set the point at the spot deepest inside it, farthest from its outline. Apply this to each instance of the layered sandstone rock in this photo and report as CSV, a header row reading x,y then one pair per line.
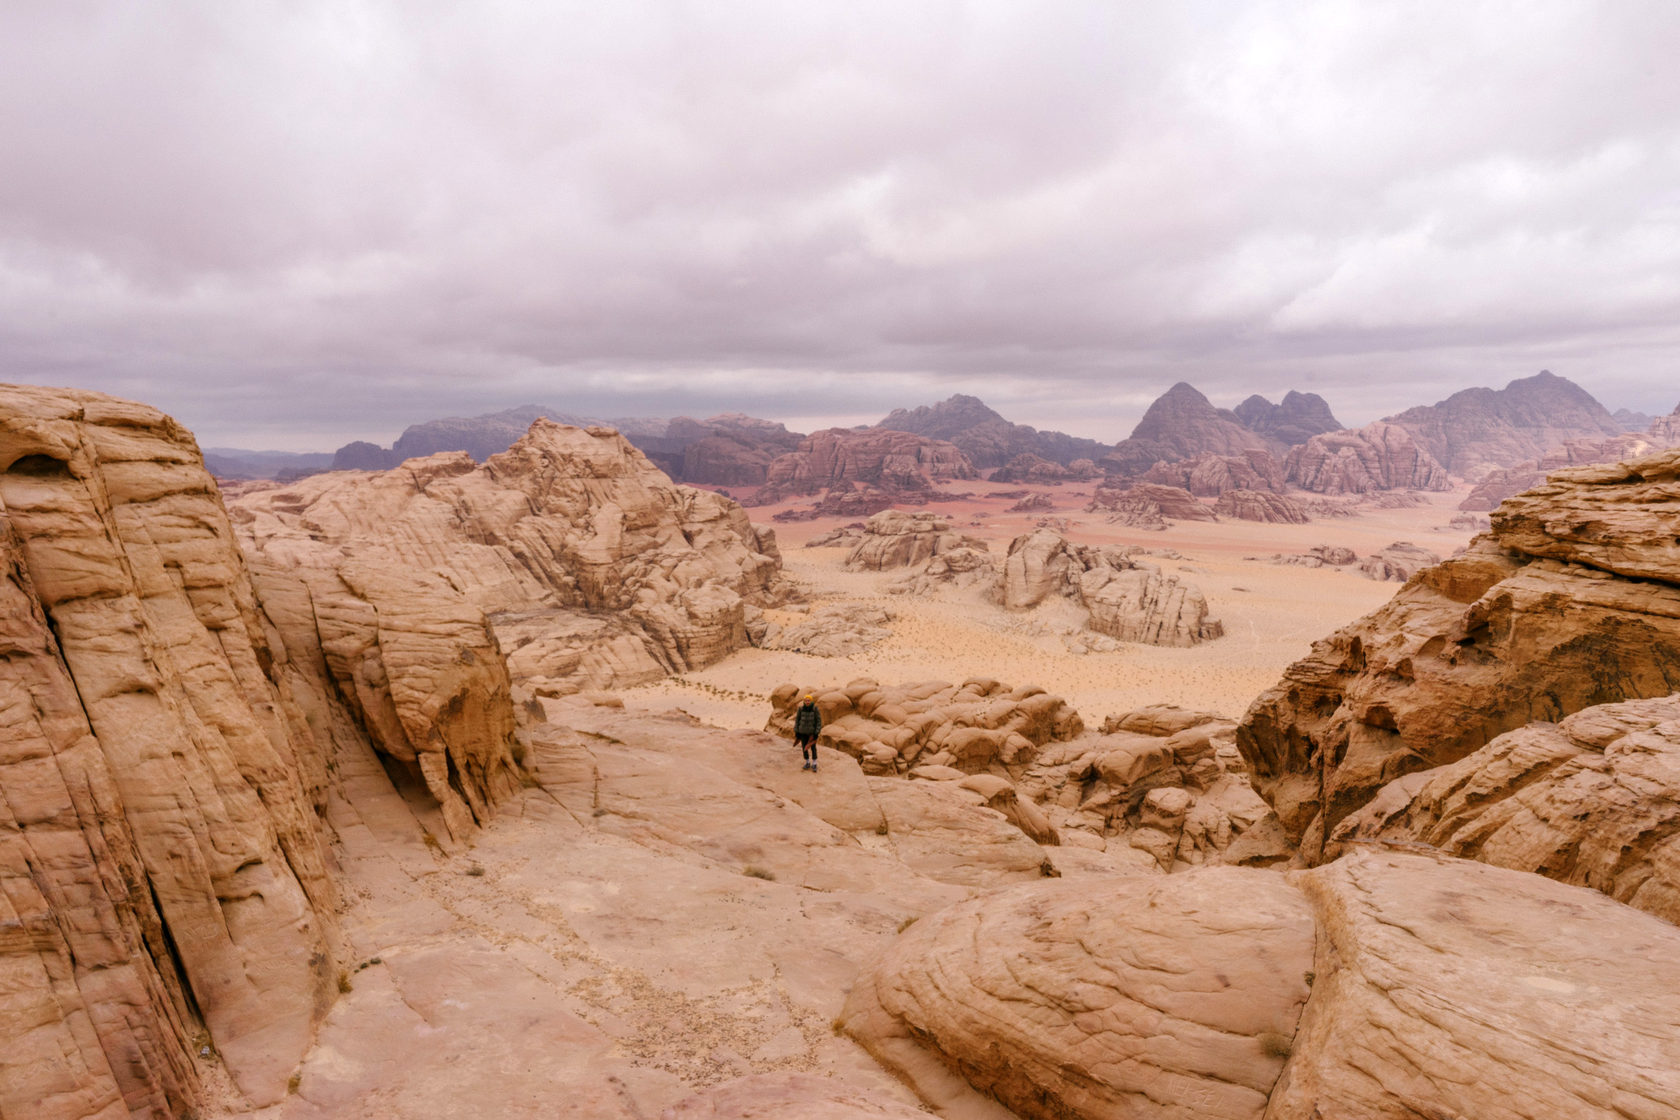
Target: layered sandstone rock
x,y
1127,599
1478,430
1398,562
1150,499
1383,986
1665,430
897,539
1036,469
1593,801
592,568
1258,505
163,862
1319,556
840,459
1379,456
1208,476
1572,600
838,630
1507,482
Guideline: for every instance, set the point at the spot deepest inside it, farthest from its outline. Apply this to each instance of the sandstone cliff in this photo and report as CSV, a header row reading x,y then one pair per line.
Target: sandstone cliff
x,y
162,860
1572,600
591,567
1259,505
844,459
1379,456
1208,476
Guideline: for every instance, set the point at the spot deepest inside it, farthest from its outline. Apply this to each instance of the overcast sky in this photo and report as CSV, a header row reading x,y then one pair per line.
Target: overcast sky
x,y
294,224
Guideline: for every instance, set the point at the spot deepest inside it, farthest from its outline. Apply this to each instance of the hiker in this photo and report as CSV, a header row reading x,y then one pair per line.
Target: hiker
x,y
807,721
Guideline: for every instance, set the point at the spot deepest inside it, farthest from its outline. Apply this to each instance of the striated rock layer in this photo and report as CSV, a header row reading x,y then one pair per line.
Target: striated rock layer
x,y
591,566
1572,600
160,848
1384,986
1379,456
845,459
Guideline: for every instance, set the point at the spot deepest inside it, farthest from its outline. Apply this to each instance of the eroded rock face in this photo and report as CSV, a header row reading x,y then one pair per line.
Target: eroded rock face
x,y
162,786
1507,482
592,567
1379,456
1572,600
1398,562
986,437
1028,467
1593,801
1298,418
1208,476
1258,505
896,539
841,459
1384,986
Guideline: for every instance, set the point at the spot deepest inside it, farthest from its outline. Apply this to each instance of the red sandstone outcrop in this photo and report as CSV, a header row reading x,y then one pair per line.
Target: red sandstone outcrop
x,y
1476,431
591,566
1149,502
1039,471
1181,424
1127,599
896,539
1572,600
986,437
1259,505
1383,986
839,459
1379,456
1208,476
1593,800
163,869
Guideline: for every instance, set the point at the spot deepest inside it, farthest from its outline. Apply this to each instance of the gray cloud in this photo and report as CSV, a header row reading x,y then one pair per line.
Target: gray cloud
x,y
298,224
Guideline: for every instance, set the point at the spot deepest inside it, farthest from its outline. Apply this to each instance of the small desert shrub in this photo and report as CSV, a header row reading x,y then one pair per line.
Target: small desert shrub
x,y
476,871
907,923
882,829
1309,976
753,871
344,981
430,840
837,1025
1273,1045
293,1082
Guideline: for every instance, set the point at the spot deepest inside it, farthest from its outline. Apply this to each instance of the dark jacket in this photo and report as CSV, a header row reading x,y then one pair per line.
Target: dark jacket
x,y
807,720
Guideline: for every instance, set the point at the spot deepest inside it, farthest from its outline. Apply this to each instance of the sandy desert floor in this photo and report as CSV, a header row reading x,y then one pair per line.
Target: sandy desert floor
x,y
1272,613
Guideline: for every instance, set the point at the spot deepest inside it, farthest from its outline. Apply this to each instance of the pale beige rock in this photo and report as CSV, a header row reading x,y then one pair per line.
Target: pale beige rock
x,y
1572,600
1119,998
788,1096
205,811
1398,562
837,630
895,538
1593,801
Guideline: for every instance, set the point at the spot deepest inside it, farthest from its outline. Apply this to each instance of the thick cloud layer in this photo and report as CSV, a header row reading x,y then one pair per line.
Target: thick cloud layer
x,y
295,224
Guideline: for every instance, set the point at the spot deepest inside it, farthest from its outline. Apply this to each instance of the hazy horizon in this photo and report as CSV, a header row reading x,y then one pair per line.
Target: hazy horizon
x,y
296,227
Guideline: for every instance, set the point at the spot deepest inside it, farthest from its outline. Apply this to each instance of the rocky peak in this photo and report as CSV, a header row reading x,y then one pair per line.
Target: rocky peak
x,y
1181,424
1300,417
986,437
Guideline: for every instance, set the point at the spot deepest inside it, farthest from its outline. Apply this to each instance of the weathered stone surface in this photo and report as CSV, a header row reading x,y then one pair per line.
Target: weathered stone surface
x,y
986,437
1450,988
1475,431
181,809
1665,431
1593,801
1398,562
1572,600
788,1096
838,630
1181,424
895,538
593,568
1379,456
1384,987
843,458
1258,505
1103,999
1147,497
1037,469
1318,556
1298,418
1507,482
1208,476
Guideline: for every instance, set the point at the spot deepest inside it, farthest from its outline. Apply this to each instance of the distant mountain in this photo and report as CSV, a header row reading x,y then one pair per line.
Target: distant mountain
x,y
1300,417
985,436
727,450
1632,421
239,463
1478,431
1183,424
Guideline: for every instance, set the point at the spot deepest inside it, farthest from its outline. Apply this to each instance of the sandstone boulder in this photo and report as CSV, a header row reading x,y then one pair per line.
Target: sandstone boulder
x,y
895,538
1384,987
1379,456
1593,800
1399,562
1572,600
1257,505
838,630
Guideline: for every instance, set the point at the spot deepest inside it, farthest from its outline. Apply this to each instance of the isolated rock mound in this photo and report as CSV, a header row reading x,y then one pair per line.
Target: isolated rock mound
x,y
1572,600
593,568
897,539
841,459
1379,456
1383,987
1128,599
840,630
1258,505
1593,801
1208,476
164,870
1398,562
